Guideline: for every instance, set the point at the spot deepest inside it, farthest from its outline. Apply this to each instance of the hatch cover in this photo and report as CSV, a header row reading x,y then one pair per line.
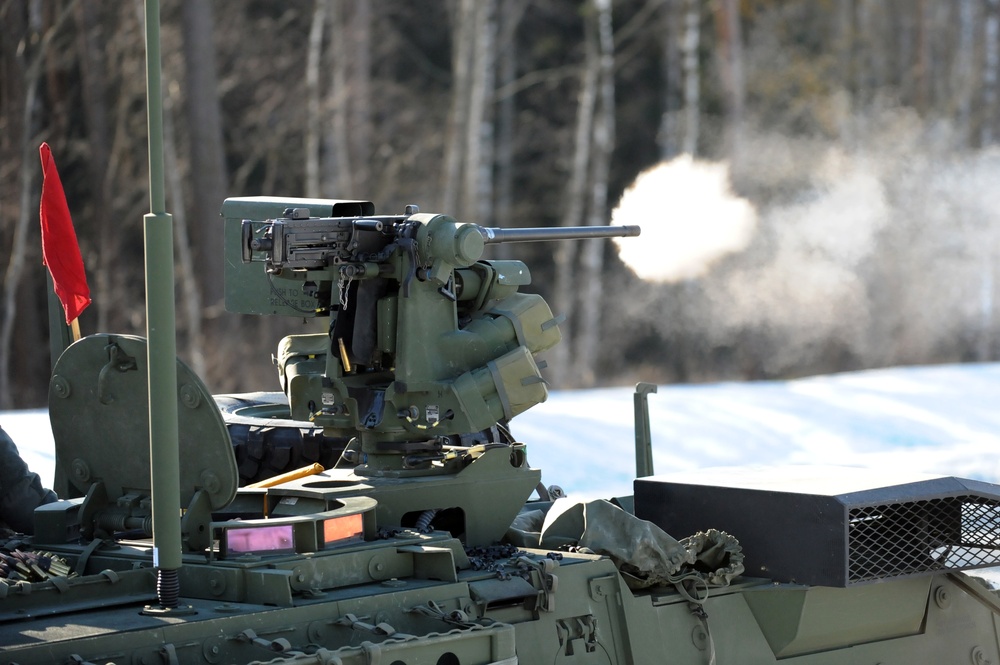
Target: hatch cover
x,y
99,410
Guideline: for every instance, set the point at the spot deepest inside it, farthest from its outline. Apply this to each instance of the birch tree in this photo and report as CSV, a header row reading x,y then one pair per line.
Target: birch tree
x,y
469,139
592,252
340,121
565,254
463,33
670,130
314,116
510,14
477,190
692,75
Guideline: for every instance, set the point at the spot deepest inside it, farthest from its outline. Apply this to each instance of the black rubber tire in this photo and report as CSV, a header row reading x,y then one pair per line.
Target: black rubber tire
x,y
267,444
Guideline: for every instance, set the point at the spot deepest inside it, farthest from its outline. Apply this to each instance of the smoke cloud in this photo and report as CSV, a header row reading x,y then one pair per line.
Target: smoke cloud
x,y
884,250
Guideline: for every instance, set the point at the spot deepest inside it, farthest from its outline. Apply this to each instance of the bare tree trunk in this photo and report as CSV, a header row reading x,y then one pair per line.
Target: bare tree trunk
x,y
692,74
208,156
347,144
361,102
510,16
861,51
463,35
963,75
468,172
592,252
209,181
843,40
730,41
991,73
340,101
477,195
314,117
844,46
511,13
670,131
124,163
98,140
31,71
565,252
186,265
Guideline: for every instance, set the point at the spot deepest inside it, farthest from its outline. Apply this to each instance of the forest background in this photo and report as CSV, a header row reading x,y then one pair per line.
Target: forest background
x,y
823,193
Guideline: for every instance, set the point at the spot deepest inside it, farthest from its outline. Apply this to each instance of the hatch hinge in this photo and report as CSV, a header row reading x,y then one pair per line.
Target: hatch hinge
x,y
577,635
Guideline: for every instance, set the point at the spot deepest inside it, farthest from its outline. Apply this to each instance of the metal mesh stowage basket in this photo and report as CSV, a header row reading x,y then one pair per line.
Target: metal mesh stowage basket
x,y
911,537
833,526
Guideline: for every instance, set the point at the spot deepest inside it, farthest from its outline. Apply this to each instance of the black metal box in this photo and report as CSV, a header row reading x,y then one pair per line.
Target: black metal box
x,y
832,526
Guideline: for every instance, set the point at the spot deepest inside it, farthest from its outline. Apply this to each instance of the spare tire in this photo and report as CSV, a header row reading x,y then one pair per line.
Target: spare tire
x,y
267,442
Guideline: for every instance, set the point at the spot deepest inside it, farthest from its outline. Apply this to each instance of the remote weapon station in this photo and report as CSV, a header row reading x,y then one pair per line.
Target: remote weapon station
x,y
428,539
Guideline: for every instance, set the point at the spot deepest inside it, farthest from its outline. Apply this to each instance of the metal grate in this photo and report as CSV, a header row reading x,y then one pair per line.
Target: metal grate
x,y
950,533
834,526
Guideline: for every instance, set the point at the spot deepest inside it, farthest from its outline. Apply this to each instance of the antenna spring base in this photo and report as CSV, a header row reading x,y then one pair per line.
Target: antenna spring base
x,y
168,588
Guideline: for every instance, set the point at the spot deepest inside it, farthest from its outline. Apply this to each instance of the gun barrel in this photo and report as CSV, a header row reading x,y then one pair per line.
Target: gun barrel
x,y
493,235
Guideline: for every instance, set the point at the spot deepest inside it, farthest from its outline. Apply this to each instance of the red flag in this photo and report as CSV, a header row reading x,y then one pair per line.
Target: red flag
x,y
60,250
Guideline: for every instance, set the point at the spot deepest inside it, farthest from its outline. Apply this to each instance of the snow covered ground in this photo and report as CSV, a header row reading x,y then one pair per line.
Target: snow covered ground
x,y
943,420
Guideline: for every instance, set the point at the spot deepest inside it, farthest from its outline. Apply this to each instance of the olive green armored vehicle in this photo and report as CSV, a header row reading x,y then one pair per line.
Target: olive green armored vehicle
x,y
413,529
431,540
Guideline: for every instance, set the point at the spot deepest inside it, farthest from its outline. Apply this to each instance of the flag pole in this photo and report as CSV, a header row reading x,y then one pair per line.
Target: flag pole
x,y
60,336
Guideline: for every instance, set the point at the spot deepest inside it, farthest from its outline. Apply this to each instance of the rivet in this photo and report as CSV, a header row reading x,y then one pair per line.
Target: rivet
x,y
61,387
189,396
80,470
979,657
210,481
941,597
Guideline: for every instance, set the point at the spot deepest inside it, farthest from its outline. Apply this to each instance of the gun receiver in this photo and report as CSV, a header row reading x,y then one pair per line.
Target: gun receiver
x,y
429,348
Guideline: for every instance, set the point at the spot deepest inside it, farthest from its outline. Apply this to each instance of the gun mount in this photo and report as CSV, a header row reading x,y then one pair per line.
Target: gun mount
x,y
429,351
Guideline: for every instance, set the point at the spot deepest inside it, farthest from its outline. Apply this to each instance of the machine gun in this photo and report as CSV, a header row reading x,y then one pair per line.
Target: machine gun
x,y
428,347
